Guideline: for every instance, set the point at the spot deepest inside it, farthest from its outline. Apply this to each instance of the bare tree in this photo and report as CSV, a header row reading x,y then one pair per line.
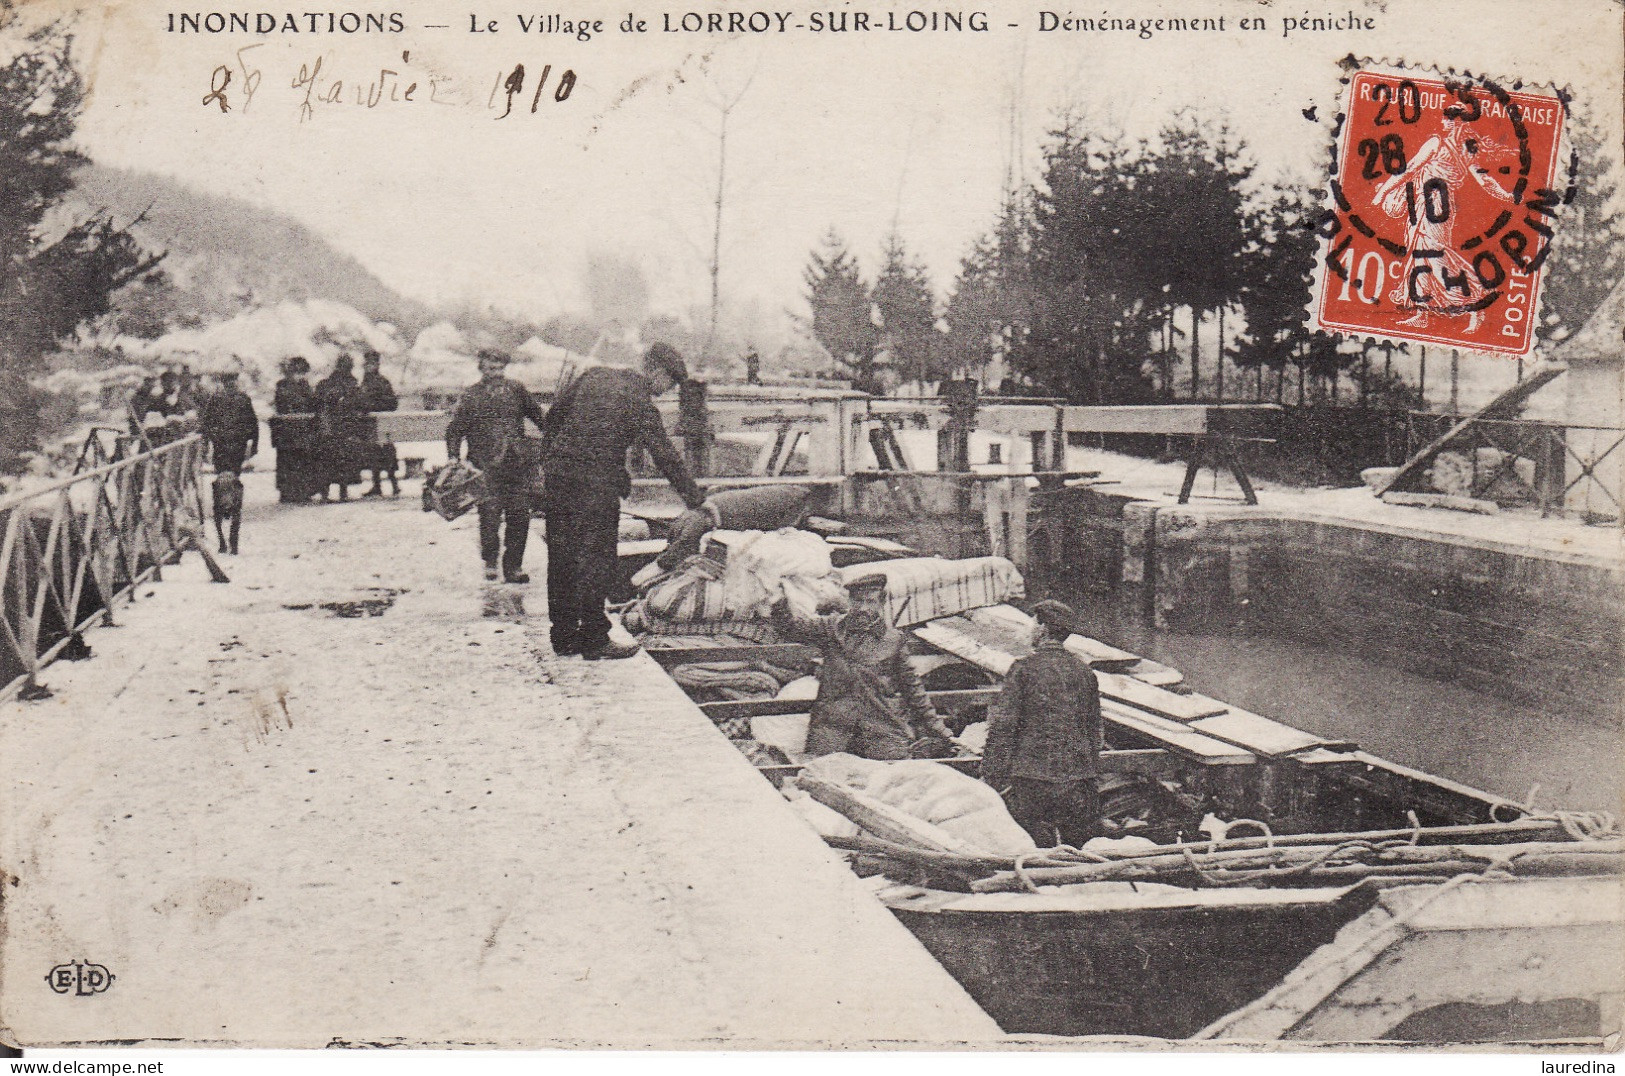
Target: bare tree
x,y
724,100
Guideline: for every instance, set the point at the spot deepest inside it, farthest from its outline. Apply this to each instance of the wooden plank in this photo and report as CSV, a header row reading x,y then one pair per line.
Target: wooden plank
x,y
719,711
1152,761
775,653
1112,685
1258,734
1156,700
960,645
1176,737
1154,673
1174,419
1101,655
942,700
966,764
882,819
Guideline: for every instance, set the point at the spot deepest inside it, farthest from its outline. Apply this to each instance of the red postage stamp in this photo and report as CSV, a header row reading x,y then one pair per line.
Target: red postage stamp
x,y
1443,208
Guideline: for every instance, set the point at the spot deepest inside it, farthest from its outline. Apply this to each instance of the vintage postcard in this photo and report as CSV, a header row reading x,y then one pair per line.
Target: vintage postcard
x,y
837,525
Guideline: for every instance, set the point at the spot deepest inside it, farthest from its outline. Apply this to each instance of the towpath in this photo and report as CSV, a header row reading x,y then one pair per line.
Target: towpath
x,y
352,796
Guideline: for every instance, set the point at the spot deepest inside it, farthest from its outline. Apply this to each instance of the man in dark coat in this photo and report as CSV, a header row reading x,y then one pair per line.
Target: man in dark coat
x,y
339,411
230,425
870,701
378,395
294,434
595,420
1045,736
490,417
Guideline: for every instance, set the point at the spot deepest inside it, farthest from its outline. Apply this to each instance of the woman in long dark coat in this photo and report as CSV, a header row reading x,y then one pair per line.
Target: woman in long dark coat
x,y
295,435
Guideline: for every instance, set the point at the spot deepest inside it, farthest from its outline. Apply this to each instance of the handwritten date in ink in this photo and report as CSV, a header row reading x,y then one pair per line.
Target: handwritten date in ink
x,y
317,85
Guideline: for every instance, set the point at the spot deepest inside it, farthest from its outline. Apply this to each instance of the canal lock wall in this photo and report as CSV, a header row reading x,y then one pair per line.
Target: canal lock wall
x,y
1538,627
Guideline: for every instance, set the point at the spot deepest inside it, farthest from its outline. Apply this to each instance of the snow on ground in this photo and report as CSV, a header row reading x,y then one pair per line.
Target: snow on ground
x,y
280,826
1160,483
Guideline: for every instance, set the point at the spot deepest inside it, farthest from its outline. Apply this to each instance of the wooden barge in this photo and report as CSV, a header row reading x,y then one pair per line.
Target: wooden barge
x,y
1143,958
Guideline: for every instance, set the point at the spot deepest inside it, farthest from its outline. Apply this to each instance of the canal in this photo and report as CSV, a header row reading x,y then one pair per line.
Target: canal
x,y
1446,729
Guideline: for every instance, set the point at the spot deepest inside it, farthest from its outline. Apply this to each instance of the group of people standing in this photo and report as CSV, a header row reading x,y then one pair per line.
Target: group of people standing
x,y
165,406
176,402
325,434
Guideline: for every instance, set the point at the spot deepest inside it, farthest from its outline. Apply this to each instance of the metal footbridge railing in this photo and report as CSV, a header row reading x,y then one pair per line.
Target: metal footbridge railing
x,y
70,551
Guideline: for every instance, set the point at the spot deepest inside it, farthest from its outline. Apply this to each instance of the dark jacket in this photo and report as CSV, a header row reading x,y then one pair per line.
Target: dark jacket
x,y
339,395
228,418
295,397
870,702
377,394
491,418
598,417
1045,725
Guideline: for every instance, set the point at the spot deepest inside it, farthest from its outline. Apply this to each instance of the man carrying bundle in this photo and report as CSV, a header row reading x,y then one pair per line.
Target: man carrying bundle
x,y
490,417
1045,736
870,701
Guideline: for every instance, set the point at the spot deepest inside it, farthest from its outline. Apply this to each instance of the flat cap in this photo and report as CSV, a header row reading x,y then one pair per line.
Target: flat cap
x,y
1056,616
873,583
666,358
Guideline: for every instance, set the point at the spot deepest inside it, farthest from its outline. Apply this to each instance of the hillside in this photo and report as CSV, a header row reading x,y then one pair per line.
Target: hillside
x,y
226,253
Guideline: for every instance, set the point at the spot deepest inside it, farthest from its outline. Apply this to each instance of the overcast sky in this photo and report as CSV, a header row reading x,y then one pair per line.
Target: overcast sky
x,y
859,131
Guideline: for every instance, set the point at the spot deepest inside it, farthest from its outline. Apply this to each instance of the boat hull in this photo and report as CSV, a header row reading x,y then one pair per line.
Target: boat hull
x,y
1164,972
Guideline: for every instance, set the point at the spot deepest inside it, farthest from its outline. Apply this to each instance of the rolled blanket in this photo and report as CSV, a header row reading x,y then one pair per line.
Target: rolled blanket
x,y
927,588
726,679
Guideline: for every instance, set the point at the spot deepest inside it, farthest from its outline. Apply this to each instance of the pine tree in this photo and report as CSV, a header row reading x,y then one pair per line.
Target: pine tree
x,y
1196,221
1588,254
839,320
51,279
1089,335
908,316
990,308
1275,275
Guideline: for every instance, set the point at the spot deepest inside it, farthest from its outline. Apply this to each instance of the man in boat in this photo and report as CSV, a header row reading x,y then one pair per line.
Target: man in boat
x,y
490,417
1045,736
759,508
870,701
594,420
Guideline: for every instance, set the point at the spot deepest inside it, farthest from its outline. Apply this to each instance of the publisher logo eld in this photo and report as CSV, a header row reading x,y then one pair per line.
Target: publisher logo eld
x,y
79,978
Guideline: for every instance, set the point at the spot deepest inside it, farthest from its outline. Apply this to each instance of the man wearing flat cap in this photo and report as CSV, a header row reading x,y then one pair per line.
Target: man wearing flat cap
x,y
229,424
490,417
870,701
594,421
1045,736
